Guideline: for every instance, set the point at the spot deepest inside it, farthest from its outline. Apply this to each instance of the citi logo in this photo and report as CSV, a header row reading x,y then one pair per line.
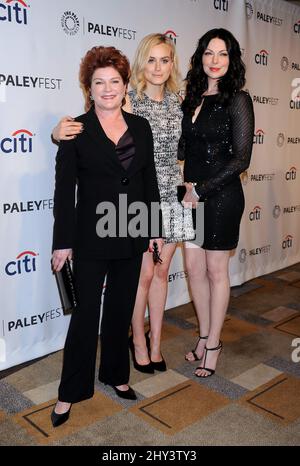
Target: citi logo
x,y
172,35
297,27
295,104
261,58
221,5
291,174
16,13
259,137
19,142
25,262
255,214
287,242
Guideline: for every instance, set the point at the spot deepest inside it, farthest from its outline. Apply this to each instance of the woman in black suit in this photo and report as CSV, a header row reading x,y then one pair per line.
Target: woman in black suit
x,y
112,163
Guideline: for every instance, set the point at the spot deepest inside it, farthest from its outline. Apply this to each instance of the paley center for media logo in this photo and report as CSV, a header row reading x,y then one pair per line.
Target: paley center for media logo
x,y
257,177
282,139
20,142
71,23
29,321
262,15
290,209
286,64
249,9
261,99
254,252
25,262
34,82
14,11
22,207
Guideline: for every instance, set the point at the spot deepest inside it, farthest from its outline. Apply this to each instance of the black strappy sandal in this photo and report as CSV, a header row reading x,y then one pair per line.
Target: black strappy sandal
x,y
196,357
211,371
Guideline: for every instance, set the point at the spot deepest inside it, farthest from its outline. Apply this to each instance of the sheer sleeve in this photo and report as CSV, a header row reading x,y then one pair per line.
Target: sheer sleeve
x,y
181,148
242,119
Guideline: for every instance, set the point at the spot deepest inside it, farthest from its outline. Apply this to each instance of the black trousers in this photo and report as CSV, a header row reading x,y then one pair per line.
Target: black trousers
x,y
78,373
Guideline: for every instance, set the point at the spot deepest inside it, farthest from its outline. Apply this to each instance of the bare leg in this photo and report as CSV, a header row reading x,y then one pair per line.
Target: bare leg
x,y
138,318
217,266
157,299
195,261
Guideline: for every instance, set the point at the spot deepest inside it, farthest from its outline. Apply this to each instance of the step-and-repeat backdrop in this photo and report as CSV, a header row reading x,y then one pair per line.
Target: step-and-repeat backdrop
x,y
42,45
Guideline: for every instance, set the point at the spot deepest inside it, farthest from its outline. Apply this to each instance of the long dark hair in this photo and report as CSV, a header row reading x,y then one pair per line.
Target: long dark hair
x,y
196,78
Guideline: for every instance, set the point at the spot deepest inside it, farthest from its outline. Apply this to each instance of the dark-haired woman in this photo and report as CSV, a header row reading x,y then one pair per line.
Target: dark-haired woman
x,y
218,128
112,158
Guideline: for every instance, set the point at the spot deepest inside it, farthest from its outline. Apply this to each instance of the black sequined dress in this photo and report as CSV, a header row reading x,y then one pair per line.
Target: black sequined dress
x,y
218,148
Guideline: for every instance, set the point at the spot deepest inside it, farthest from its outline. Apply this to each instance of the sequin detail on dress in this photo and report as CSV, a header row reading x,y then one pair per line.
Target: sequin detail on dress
x,y
165,121
218,148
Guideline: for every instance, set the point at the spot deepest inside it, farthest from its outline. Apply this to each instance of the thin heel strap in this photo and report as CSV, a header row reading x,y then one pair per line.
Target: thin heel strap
x,y
203,338
216,348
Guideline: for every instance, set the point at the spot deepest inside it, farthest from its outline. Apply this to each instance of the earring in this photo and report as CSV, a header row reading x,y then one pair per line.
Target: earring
x,y
91,97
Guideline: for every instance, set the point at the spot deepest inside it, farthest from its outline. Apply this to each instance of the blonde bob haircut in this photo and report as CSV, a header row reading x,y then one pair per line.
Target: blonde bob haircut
x,y
137,81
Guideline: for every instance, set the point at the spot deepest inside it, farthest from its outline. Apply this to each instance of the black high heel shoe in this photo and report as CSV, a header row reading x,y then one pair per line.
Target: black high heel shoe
x,y
160,366
210,371
196,357
59,419
145,368
126,394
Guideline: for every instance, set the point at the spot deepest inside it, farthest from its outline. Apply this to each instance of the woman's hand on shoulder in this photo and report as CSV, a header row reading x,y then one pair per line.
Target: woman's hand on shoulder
x,y
67,128
180,98
59,257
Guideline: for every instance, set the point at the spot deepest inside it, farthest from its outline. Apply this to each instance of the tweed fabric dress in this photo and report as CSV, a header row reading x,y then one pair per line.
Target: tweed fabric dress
x,y
165,121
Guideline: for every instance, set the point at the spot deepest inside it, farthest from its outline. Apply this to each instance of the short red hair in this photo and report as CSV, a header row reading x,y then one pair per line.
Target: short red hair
x,y
101,57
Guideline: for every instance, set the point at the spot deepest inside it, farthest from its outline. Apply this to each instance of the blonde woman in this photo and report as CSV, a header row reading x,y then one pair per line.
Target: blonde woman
x,y
154,95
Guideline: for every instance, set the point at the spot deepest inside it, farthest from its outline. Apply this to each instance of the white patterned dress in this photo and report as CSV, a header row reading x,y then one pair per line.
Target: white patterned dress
x,y
165,121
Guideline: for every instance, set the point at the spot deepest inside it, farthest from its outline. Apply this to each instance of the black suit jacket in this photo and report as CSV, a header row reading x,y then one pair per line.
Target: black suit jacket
x,y
91,162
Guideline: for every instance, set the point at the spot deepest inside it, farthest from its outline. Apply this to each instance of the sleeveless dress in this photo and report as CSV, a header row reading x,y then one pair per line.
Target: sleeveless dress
x,y
165,121
218,148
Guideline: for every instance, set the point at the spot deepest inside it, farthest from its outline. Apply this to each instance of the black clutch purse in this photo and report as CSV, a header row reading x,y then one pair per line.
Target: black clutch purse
x,y
181,190
66,288
156,256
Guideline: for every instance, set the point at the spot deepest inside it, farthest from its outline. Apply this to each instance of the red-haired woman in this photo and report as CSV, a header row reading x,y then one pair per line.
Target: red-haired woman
x,y
113,157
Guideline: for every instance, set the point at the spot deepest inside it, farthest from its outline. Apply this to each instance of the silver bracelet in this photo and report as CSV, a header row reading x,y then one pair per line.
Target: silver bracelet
x,y
194,192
